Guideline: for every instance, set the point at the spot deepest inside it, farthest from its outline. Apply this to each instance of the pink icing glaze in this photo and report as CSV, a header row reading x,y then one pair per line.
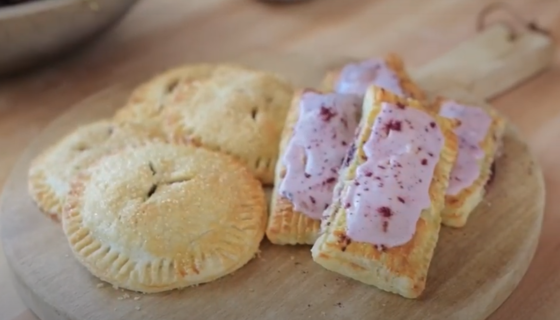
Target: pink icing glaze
x,y
474,126
355,78
391,188
323,134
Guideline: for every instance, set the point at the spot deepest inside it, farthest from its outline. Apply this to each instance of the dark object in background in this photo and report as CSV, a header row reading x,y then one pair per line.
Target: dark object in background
x,y
34,33
5,3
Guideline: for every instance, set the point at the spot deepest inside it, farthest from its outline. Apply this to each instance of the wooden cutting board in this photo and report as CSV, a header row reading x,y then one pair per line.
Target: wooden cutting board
x,y
473,271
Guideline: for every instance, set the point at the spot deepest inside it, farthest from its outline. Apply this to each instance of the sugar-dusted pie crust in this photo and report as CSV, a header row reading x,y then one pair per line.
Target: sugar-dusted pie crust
x,y
459,207
160,217
240,113
402,269
50,173
150,98
395,63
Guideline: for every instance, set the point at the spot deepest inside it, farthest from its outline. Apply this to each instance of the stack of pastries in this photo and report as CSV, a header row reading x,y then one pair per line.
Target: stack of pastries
x,y
169,193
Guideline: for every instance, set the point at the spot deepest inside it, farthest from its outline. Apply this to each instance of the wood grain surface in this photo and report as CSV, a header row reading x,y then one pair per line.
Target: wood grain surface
x,y
474,269
164,32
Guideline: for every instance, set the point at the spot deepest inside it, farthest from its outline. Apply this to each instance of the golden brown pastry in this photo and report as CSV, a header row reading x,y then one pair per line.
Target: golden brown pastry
x,y
50,173
160,217
319,130
480,133
388,72
240,113
150,98
383,225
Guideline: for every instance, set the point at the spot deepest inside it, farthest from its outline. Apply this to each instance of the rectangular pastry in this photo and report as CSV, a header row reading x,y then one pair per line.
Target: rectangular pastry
x,y
479,132
388,72
319,129
300,195
383,224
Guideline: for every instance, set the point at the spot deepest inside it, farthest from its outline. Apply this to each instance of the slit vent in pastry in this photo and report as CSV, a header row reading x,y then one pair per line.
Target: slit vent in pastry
x,y
158,217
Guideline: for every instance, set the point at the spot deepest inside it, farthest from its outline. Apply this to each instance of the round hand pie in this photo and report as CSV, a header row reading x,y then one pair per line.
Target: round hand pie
x,y
150,98
230,108
51,172
160,217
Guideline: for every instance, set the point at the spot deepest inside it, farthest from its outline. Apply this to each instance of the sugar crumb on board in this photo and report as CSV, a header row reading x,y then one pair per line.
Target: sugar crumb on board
x,y
259,255
138,308
124,297
137,298
100,285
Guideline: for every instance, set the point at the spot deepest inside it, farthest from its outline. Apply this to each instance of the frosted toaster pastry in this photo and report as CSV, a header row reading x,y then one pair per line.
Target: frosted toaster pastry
x,y
388,72
319,130
383,226
479,133
159,216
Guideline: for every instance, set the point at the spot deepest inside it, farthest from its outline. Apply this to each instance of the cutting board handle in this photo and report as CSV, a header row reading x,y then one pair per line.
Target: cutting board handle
x,y
497,59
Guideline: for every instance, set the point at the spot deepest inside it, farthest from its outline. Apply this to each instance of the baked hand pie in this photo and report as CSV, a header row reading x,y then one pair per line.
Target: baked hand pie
x,y
480,133
383,224
388,72
161,216
319,129
150,98
50,173
241,113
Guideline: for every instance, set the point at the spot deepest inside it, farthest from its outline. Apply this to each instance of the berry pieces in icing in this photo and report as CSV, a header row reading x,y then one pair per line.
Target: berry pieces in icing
x,y
321,138
391,188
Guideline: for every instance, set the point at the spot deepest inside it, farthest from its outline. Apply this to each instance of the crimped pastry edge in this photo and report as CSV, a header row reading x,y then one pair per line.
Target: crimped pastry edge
x,y
80,240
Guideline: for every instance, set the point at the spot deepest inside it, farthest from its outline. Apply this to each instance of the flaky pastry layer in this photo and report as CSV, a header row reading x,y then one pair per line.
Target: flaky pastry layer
x,y
459,207
285,224
403,269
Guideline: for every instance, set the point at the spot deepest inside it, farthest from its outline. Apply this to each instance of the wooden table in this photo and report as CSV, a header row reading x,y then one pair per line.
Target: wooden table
x,y
418,30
